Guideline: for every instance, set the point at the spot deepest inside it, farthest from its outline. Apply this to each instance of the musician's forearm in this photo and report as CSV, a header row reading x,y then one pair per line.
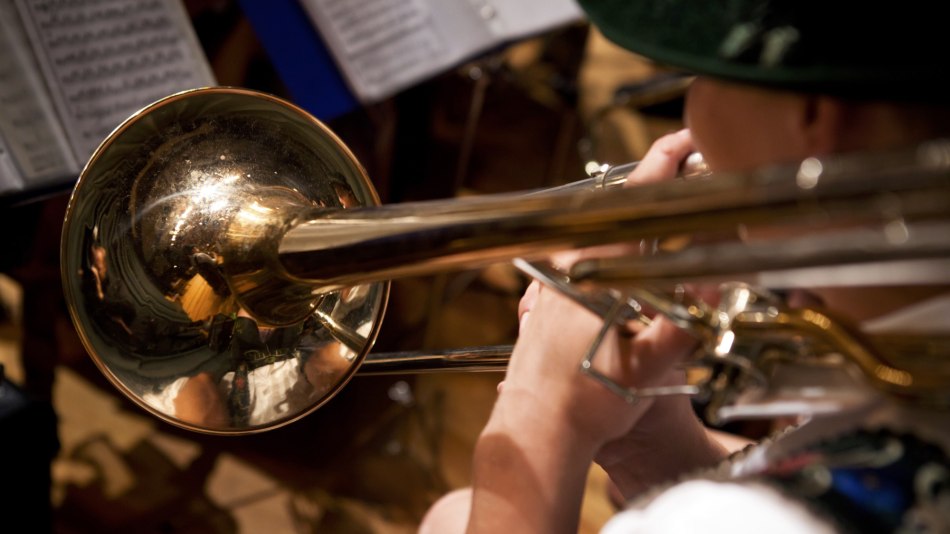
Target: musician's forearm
x,y
529,473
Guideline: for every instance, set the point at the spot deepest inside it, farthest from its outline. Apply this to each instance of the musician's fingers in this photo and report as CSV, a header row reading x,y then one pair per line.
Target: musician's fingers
x,y
662,161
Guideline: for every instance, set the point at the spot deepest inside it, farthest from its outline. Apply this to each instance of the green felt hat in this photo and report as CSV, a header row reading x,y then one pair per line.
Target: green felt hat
x,y
853,49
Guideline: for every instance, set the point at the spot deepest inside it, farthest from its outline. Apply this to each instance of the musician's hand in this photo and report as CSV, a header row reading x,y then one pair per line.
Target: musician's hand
x,y
666,433
668,439
545,367
663,160
550,420
200,402
666,442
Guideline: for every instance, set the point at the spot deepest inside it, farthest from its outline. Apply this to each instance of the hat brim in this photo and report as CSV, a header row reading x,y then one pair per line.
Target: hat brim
x,y
879,53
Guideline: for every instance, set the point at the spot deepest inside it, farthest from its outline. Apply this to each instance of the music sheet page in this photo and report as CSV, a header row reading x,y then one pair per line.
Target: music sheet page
x,y
33,146
512,19
105,59
380,45
384,46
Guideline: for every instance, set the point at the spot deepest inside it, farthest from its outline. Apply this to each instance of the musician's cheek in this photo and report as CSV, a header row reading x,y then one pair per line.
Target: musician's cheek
x,y
741,128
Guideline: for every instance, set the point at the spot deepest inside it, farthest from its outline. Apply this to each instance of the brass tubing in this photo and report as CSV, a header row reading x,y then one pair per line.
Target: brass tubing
x,y
471,359
337,248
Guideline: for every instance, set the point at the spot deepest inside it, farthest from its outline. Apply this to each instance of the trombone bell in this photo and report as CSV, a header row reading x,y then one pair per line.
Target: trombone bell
x,y
169,250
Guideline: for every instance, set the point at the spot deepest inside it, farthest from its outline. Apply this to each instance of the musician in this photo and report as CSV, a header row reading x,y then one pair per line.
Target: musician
x,y
776,82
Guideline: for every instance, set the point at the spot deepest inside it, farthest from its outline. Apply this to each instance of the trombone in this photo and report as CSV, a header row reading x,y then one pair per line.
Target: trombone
x,y
223,244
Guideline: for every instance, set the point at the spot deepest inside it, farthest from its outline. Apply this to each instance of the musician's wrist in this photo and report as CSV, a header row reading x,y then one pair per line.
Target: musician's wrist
x,y
543,419
529,470
669,442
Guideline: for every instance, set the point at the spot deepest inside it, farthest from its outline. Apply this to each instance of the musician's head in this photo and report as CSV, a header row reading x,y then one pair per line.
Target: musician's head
x,y
781,80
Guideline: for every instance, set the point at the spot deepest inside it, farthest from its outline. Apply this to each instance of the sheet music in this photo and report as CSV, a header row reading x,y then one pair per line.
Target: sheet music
x,y
34,149
380,43
516,18
383,46
9,175
106,59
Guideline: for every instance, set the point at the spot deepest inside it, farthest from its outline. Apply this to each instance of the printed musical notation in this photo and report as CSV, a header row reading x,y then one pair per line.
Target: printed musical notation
x,y
33,147
384,46
383,43
96,63
109,58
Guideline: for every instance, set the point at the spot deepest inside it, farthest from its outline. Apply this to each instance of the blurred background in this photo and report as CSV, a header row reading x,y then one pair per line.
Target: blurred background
x,y
79,457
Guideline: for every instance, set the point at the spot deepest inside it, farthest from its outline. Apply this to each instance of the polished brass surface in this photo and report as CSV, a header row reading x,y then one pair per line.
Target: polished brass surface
x,y
170,270
226,261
